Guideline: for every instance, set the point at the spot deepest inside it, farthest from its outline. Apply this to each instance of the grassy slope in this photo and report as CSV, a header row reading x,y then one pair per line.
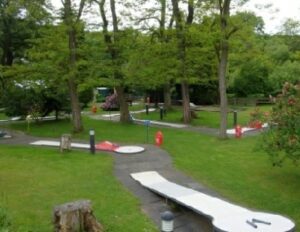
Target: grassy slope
x,y
234,168
34,180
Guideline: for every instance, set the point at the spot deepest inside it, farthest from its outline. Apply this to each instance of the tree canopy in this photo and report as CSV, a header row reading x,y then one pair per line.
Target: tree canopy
x,y
199,46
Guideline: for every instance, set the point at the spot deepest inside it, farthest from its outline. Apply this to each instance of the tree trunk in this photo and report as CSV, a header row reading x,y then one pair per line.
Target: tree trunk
x,y
75,217
180,33
224,7
163,40
75,106
122,99
222,89
167,96
7,54
187,117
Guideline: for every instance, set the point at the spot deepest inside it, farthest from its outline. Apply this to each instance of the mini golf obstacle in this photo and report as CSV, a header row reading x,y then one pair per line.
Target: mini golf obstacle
x,y
245,129
129,149
226,217
57,144
102,146
106,146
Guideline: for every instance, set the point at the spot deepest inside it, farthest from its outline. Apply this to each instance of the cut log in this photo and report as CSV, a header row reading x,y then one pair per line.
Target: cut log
x,y
75,217
65,142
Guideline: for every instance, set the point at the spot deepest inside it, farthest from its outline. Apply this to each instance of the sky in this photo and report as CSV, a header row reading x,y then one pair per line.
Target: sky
x,y
274,16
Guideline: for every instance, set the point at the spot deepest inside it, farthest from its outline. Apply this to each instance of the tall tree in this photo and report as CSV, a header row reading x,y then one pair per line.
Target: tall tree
x,y
181,27
157,21
222,54
113,44
71,19
162,35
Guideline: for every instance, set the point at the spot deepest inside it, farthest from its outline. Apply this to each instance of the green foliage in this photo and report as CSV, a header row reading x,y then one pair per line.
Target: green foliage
x,y
143,70
249,67
86,96
31,98
282,140
289,71
252,79
291,27
277,49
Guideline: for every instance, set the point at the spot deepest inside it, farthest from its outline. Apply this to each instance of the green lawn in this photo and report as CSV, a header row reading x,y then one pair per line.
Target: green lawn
x,y
236,168
34,180
205,118
3,116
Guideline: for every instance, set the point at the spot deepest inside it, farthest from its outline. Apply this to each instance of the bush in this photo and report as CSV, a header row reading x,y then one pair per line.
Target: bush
x,y
282,140
111,103
21,101
252,79
86,96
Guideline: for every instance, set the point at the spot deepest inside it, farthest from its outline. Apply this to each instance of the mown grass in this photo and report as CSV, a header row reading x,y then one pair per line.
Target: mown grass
x,y
239,170
205,118
104,130
34,180
3,116
236,168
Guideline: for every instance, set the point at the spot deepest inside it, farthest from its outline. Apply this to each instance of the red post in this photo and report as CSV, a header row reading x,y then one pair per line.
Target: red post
x,y
238,131
159,138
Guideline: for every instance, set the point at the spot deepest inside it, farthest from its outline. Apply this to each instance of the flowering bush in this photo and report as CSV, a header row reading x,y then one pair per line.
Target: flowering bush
x,y
111,103
256,118
281,141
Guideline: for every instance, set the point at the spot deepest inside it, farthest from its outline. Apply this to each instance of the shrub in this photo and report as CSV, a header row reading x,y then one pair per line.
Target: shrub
x,y
257,118
86,96
111,103
281,141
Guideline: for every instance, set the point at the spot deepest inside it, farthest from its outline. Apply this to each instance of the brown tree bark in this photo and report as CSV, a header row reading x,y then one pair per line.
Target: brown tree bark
x,y
71,23
167,96
222,90
122,98
162,28
75,217
180,31
224,8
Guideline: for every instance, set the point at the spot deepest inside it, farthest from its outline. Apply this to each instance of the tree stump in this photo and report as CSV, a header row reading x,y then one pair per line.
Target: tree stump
x,y
75,217
65,142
